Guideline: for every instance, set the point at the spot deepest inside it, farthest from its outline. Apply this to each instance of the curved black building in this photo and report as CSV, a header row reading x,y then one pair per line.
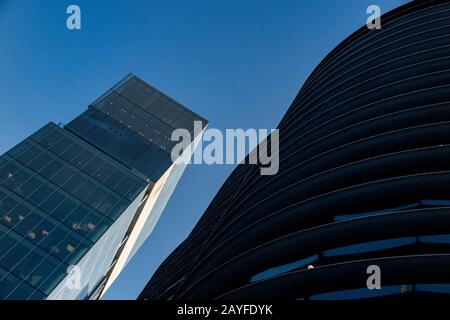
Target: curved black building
x,y
364,180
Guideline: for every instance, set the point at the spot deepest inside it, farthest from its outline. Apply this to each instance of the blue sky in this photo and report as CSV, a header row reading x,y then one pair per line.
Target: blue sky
x,y
238,63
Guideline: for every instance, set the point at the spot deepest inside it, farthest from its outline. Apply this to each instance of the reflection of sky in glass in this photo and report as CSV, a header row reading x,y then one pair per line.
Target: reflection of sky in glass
x,y
369,246
54,206
284,268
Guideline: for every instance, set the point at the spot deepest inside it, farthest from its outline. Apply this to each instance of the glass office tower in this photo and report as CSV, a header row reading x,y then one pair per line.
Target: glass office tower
x,y
88,194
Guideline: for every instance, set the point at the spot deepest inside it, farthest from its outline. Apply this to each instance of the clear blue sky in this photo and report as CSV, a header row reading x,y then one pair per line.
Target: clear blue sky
x,y
238,63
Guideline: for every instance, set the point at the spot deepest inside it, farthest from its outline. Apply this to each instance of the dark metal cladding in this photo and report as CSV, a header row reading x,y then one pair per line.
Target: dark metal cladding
x,y
363,180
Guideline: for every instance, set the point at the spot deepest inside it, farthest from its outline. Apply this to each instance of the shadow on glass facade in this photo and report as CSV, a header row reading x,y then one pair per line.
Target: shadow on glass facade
x,y
133,123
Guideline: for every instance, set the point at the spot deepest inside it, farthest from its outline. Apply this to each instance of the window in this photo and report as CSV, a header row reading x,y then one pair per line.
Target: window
x,y
136,189
37,295
72,152
62,176
64,210
42,133
16,180
41,194
75,219
52,243
4,160
28,224
16,215
51,139
85,189
115,206
54,271
441,238
44,229
74,183
52,202
96,227
284,268
95,199
24,185
363,293
7,242
62,145
369,246
114,179
74,248
2,194
51,168
82,159
40,162
87,222
13,288
15,248
127,187
92,166
120,207
18,149
435,203
7,204
27,264
436,288
104,172
373,213
8,171
107,203
29,155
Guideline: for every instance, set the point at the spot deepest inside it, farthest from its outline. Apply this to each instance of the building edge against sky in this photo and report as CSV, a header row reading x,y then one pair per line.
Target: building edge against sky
x,y
113,178
152,209
139,96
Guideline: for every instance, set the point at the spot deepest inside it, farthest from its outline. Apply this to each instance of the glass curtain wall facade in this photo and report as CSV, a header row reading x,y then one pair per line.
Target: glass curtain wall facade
x,y
363,180
70,195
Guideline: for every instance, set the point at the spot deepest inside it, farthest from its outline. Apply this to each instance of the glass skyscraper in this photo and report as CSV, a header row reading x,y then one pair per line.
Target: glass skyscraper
x,y
78,200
